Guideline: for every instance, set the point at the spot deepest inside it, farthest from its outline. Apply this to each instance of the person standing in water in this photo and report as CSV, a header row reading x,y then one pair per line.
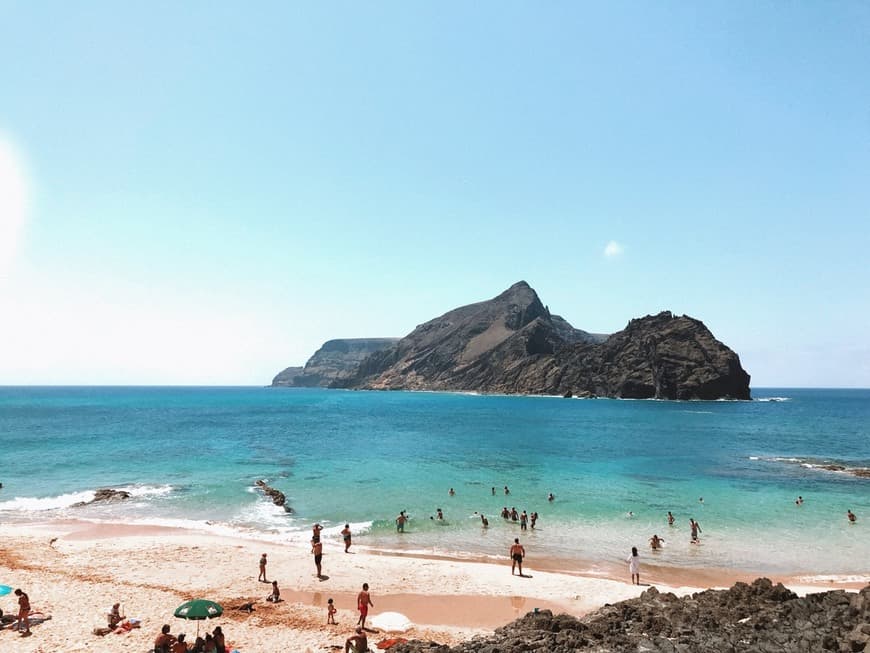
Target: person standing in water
x,y
345,535
851,516
634,566
696,528
517,553
670,519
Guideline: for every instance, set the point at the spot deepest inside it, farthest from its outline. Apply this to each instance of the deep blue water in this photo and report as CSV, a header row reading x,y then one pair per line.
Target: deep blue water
x,y
191,456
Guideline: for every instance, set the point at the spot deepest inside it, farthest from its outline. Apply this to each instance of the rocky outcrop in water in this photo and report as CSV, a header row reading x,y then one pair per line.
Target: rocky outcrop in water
x,y
333,362
513,344
278,497
105,495
758,618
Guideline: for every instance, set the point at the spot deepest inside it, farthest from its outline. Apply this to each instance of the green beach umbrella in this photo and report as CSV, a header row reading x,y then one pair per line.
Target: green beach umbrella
x,y
197,610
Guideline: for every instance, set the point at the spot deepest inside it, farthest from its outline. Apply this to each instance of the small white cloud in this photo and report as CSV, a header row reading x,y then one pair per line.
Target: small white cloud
x,y
613,249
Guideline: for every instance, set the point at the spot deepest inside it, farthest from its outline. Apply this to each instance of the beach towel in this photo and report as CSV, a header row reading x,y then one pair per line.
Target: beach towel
x,y
389,643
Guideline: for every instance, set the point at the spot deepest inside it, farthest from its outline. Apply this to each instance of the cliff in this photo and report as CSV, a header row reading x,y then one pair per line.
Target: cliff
x,y
335,360
512,344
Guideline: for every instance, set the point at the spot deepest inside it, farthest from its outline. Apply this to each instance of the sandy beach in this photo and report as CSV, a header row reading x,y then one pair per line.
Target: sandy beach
x,y
152,570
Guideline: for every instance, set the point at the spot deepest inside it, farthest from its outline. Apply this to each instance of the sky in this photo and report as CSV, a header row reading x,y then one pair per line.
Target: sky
x,y
205,192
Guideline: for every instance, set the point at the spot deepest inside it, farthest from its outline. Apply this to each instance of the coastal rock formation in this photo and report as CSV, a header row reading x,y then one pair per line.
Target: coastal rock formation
x,y
760,617
513,344
334,361
287,376
104,495
278,497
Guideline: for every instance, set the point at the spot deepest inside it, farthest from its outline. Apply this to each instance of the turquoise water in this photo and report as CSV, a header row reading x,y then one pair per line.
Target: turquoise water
x,y
191,456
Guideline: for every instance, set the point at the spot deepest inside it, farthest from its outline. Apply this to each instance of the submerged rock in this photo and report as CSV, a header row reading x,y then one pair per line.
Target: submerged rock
x,y
105,495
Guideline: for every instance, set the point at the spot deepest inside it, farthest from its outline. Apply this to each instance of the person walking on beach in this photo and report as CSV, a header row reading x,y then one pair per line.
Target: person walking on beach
x,y
317,550
345,535
262,576
23,611
696,528
363,601
517,553
330,612
851,516
358,643
634,566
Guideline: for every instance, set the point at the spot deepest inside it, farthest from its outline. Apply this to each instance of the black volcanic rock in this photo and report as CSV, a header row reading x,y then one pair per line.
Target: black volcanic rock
x,y
761,617
335,360
512,344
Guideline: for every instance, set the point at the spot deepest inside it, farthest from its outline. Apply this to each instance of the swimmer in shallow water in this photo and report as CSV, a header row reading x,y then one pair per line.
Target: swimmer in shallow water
x,y
655,542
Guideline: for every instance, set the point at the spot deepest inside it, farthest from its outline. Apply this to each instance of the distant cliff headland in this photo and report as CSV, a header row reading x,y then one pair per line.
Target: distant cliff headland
x,y
513,344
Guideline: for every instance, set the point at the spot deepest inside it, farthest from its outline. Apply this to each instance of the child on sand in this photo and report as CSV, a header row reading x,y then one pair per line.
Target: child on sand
x,y
634,566
275,596
330,612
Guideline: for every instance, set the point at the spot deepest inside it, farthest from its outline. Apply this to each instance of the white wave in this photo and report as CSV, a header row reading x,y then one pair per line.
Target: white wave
x,y
773,399
37,504
40,504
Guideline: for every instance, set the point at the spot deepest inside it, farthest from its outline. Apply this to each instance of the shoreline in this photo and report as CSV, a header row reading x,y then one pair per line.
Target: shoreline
x,y
152,569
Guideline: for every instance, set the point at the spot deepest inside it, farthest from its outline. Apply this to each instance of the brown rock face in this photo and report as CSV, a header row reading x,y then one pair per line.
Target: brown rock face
x,y
335,360
512,344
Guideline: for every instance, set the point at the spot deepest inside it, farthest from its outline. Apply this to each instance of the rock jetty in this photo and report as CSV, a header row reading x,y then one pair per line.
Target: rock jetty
x,y
759,618
278,497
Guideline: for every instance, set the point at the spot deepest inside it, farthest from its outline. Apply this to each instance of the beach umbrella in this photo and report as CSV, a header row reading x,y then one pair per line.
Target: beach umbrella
x,y
392,622
197,610
4,590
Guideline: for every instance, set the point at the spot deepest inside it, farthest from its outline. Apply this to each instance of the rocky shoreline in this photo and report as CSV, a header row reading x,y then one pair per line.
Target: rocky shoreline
x,y
761,617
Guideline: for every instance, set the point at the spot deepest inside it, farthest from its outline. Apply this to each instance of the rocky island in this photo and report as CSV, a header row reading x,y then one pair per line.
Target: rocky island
x,y
513,344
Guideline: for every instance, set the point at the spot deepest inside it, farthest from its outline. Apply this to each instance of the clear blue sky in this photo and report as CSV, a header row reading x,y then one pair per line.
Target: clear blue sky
x,y
204,192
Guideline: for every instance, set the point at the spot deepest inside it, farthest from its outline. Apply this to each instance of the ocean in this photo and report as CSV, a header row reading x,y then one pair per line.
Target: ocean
x,y
191,456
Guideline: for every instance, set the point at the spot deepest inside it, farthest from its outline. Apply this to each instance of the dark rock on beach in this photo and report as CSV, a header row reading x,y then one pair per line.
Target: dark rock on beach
x,y
334,361
105,495
513,344
761,617
278,497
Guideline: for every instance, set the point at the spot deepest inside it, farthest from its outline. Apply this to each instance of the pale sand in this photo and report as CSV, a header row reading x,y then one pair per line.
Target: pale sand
x,y
151,570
